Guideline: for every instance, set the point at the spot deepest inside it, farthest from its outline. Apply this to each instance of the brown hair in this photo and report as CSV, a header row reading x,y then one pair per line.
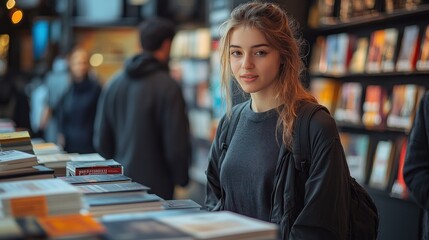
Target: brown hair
x,y
278,29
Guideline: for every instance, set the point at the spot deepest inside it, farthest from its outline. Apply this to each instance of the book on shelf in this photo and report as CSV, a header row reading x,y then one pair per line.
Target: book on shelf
x,y
409,49
389,50
39,198
113,188
102,204
325,91
338,52
356,151
93,167
96,179
221,225
375,106
318,56
399,187
382,164
31,173
348,108
423,59
358,59
375,51
14,159
405,98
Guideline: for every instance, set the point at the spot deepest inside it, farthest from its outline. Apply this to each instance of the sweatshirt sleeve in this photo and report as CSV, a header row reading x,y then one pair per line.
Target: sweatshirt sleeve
x,y
416,167
326,197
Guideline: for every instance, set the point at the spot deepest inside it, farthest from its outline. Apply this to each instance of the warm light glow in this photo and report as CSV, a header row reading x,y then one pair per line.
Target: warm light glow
x,y
4,40
16,16
96,60
10,4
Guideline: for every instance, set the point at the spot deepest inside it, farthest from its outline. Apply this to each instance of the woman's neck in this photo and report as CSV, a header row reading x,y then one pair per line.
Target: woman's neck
x,y
263,104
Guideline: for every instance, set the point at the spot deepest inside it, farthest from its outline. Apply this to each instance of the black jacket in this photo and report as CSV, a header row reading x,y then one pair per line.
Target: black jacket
x,y
141,122
416,167
316,209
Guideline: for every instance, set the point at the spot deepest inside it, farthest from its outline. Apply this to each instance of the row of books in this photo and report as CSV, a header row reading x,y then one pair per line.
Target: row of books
x,y
329,12
111,206
377,163
372,106
383,51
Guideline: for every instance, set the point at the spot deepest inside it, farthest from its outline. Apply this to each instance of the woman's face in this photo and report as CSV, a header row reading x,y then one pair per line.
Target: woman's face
x,y
254,63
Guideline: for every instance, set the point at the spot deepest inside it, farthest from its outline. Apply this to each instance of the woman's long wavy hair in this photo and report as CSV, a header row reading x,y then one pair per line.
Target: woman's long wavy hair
x,y
278,29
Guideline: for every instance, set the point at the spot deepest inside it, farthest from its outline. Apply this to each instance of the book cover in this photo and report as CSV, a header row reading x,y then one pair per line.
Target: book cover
x,y
181,204
135,197
399,188
318,56
348,109
96,179
71,225
358,60
405,98
338,52
375,107
389,50
221,224
356,151
382,165
407,57
423,60
93,167
376,48
325,91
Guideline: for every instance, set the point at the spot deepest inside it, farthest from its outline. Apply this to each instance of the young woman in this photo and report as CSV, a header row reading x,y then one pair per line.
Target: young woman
x,y
256,176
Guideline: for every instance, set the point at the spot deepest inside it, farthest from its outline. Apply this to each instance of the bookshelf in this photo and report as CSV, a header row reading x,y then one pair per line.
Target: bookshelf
x,y
333,41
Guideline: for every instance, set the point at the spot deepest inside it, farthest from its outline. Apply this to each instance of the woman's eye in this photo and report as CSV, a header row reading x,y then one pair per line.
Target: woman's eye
x,y
235,53
261,53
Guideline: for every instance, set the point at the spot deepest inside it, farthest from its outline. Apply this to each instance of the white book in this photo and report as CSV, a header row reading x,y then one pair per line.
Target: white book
x,y
221,225
14,159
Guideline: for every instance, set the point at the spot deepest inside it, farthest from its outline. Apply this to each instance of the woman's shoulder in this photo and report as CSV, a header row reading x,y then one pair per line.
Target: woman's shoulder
x,y
322,124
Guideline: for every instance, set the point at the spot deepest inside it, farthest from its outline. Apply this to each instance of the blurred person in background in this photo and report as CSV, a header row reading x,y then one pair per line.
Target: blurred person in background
x,y
77,107
72,93
141,117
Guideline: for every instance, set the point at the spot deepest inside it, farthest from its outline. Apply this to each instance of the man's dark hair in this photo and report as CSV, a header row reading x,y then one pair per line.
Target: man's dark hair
x,y
154,31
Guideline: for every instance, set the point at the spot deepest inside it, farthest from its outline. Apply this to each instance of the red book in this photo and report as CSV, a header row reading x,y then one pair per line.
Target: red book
x,y
94,168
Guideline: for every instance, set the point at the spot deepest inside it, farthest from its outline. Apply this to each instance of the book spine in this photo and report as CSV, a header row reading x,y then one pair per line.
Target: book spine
x,y
98,171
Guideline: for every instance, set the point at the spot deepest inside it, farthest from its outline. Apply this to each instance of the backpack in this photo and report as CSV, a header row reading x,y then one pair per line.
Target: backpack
x,y
364,218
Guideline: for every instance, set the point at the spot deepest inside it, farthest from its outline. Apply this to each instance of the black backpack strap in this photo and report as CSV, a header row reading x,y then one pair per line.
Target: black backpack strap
x,y
301,139
228,129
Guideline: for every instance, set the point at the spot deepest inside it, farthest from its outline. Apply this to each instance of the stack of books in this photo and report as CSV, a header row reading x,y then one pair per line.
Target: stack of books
x,y
39,198
16,141
77,168
17,165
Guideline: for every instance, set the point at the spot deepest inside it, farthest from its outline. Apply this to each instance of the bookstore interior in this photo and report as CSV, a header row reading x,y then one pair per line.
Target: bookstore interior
x,y
366,61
